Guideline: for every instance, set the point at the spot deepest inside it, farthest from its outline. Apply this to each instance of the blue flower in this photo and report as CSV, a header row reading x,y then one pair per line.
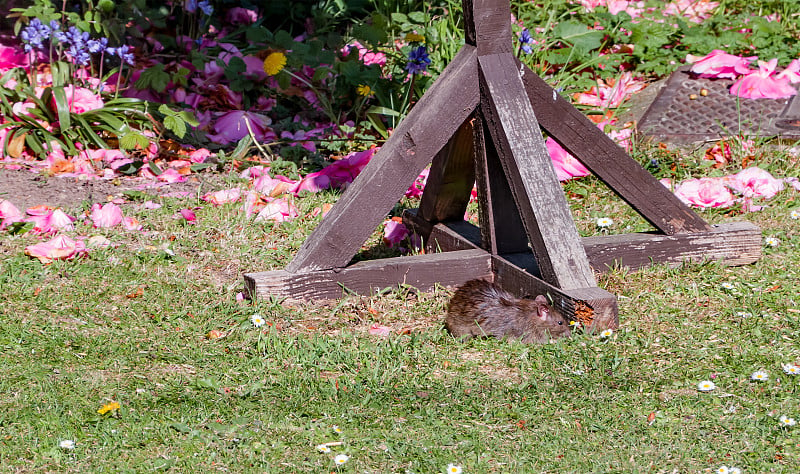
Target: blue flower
x,y
34,35
418,60
206,7
97,46
124,53
526,41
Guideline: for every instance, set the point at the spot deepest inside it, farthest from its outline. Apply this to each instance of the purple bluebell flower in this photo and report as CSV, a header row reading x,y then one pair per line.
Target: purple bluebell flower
x,y
125,54
34,35
97,46
418,60
190,6
525,41
206,7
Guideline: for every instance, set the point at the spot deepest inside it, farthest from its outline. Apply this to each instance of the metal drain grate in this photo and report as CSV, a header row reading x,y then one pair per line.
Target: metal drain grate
x,y
680,114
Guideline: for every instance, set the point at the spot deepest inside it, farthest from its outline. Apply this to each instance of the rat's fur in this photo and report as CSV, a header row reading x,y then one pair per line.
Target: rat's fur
x,y
480,308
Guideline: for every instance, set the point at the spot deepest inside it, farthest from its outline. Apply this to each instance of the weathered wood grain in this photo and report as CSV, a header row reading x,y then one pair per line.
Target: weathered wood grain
x,y
426,129
595,308
490,20
419,271
734,243
537,193
501,226
451,178
606,160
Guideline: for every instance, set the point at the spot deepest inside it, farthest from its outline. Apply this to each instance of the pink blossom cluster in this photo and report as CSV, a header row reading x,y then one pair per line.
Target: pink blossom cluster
x,y
761,83
749,183
693,10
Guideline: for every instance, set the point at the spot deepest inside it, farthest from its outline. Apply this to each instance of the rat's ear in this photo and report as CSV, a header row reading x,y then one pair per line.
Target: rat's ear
x,y
542,310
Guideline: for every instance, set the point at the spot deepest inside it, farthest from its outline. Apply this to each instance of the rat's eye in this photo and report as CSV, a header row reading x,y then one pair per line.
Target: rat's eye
x,y
561,323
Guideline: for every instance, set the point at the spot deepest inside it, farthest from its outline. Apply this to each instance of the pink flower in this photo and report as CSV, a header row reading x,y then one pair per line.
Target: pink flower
x,y
241,16
199,155
232,127
755,182
365,55
792,72
378,330
223,197
60,247
8,213
611,93
11,57
151,205
131,223
278,210
339,174
719,64
171,175
108,215
273,186
704,192
187,214
394,231
418,186
82,100
566,165
762,84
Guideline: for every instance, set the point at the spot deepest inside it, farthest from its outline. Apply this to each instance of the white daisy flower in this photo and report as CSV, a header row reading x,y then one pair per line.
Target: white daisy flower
x,y
336,429
706,386
66,444
605,222
341,459
323,448
759,375
791,369
795,214
454,469
257,320
786,421
607,333
734,470
772,241
722,470
727,285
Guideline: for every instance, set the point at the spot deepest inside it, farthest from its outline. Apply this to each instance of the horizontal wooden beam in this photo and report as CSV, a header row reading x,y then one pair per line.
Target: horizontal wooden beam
x,y
419,271
733,243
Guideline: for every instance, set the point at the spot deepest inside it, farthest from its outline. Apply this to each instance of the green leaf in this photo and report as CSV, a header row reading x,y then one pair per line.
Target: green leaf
x,y
578,35
131,139
189,118
154,78
399,18
417,17
283,39
62,107
175,125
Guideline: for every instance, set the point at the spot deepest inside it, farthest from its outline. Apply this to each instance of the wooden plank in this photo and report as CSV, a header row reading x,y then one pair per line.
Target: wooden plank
x,y
451,178
443,237
734,243
595,308
531,176
491,22
501,226
606,160
365,203
420,271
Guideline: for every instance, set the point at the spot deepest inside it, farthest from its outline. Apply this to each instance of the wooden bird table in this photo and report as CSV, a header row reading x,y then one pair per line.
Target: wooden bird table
x,y
477,123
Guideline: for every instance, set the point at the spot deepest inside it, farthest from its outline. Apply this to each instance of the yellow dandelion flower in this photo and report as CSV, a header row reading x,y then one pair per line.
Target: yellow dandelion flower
x,y
274,63
364,90
415,38
108,407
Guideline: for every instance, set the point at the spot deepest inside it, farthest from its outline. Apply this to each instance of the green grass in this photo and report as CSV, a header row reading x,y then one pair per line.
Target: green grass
x,y
129,324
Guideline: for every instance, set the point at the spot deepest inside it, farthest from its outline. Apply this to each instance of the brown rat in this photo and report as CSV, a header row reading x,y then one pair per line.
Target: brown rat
x,y
480,308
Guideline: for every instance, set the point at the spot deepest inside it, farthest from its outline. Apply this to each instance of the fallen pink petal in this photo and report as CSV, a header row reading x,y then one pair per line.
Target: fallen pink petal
x,y
394,232
755,182
378,330
763,84
277,210
719,65
223,197
188,215
8,213
566,165
705,192
108,215
59,248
